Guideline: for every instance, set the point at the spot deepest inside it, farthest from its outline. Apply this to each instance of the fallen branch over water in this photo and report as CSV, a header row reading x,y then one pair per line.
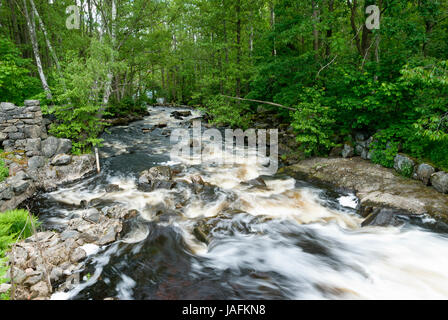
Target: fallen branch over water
x,y
260,101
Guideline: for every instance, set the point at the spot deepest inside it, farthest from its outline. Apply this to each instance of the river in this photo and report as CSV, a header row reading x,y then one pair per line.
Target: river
x,y
289,240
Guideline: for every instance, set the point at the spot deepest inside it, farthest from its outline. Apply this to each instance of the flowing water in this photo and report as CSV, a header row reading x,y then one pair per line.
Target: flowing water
x,y
289,240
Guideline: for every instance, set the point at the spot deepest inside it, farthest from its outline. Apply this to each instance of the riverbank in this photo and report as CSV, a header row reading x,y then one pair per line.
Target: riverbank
x,y
375,186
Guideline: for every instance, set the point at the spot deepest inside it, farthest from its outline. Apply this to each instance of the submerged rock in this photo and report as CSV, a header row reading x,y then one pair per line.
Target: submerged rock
x,y
112,188
381,217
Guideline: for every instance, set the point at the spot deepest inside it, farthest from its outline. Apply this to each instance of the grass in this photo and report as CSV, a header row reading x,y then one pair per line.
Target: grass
x,y
14,225
4,171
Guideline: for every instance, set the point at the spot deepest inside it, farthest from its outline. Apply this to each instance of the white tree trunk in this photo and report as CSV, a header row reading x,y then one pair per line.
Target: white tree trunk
x,y
47,40
108,85
32,31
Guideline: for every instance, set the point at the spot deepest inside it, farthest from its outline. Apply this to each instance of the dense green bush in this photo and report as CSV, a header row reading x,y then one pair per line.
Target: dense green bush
x,y
224,112
313,122
16,83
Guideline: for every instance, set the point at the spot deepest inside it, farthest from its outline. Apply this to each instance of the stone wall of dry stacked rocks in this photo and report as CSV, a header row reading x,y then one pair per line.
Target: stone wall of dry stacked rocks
x,y
22,128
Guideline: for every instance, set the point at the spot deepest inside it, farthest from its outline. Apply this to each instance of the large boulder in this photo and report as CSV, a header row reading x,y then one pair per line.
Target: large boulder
x,y
404,165
439,180
424,172
61,160
36,162
49,146
6,191
53,146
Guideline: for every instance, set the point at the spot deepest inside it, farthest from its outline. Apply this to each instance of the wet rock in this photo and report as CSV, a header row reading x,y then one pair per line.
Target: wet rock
x,y
57,254
61,160
404,165
69,234
257,182
109,237
131,214
112,188
156,173
179,115
155,178
89,236
77,255
424,172
200,234
92,215
348,151
33,278
381,217
161,125
40,290
56,274
53,176
439,180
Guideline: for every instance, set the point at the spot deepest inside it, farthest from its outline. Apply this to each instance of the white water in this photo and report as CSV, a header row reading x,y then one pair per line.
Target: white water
x,y
303,245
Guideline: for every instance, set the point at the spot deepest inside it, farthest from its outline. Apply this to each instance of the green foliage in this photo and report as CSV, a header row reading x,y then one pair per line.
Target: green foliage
x,y
13,224
81,125
313,122
225,112
4,171
16,84
407,170
79,97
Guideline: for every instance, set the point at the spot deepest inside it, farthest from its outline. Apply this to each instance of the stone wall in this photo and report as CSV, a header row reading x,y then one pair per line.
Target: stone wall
x,y
22,128
35,160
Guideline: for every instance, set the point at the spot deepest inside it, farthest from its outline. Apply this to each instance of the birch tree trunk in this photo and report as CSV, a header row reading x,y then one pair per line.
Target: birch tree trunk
x,y
108,85
32,31
44,31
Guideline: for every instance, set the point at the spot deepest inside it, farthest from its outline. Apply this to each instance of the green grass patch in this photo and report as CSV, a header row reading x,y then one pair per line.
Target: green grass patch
x,y
14,225
4,171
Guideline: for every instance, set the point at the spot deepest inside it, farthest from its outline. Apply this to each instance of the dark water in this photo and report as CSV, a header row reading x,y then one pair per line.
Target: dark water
x,y
291,240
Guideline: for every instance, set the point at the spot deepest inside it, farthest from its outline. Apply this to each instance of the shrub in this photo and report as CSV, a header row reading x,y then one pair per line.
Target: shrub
x,y
225,112
313,123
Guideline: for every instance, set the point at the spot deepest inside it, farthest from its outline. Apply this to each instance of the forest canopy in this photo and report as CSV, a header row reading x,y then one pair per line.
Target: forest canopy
x,y
90,59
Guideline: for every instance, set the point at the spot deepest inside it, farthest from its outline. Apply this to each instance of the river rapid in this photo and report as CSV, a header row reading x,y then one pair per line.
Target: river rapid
x,y
288,240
